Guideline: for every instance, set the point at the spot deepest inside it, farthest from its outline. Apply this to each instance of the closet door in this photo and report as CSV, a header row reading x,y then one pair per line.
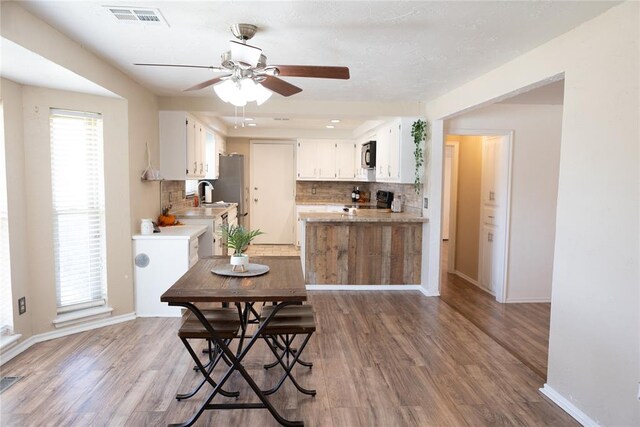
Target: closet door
x,y
493,230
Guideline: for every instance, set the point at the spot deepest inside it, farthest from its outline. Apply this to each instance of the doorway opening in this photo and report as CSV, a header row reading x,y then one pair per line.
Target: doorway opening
x,y
476,200
522,329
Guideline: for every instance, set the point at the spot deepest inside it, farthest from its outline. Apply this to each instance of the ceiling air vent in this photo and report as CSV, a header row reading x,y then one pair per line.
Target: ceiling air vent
x,y
281,119
137,15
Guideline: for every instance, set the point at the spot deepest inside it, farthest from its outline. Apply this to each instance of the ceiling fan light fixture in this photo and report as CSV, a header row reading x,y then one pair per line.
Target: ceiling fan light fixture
x,y
262,94
239,92
245,54
225,90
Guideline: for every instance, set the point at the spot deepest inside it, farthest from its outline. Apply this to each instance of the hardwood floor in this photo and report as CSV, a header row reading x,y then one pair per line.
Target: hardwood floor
x,y
383,359
522,329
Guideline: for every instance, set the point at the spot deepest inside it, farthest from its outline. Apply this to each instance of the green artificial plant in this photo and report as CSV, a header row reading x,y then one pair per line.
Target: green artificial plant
x,y
238,238
420,131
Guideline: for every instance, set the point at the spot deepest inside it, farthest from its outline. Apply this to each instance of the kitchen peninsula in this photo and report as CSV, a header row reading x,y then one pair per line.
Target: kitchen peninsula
x,y
372,247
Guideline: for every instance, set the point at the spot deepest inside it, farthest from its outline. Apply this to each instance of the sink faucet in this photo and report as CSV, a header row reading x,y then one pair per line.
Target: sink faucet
x,y
203,182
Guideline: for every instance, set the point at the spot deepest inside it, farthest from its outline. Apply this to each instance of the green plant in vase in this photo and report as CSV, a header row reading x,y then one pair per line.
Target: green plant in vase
x,y
238,238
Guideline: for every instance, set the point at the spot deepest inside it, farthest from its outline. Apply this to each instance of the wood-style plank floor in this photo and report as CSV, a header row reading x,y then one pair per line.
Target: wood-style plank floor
x,y
380,359
522,329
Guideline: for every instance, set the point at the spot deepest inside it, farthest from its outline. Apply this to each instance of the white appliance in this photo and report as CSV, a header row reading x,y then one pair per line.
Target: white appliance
x,y
160,259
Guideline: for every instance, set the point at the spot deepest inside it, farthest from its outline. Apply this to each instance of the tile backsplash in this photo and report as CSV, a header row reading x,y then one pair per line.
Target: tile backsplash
x,y
339,192
172,194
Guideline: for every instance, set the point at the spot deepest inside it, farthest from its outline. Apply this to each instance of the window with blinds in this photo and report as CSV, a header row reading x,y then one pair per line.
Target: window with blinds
x,y
6,297
190,187
77,186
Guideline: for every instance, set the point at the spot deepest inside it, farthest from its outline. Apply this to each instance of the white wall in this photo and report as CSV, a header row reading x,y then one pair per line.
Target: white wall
x,y
37,187
534,190
31,33
136,121
594,349
11,95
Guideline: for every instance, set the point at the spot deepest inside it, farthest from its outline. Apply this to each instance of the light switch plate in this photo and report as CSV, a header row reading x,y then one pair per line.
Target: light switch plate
x,y
426,203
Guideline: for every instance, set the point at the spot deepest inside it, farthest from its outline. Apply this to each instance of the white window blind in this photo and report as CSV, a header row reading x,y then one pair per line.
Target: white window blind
x,y
190,187
6,297
77,184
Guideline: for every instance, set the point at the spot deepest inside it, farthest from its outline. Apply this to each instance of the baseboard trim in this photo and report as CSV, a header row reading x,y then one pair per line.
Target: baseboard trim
x,y
567,406
62,332
467,278
473,282
528,300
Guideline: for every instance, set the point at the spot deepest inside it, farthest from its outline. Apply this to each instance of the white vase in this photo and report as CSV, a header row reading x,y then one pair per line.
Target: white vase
x,y
239,262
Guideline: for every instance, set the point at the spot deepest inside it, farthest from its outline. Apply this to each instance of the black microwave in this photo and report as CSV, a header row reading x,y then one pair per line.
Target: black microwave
x,y
368,158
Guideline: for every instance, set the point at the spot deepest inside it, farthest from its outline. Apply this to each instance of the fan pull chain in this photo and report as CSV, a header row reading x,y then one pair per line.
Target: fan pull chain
x,y
235,118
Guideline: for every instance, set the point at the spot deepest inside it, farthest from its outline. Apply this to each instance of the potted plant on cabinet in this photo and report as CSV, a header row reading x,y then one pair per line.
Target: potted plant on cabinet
x,y
238,239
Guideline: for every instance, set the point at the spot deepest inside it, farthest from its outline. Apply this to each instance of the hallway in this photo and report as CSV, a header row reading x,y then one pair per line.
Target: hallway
x,y
522,329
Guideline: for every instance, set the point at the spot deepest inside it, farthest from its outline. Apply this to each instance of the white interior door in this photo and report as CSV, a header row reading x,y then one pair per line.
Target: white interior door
x,y
273,191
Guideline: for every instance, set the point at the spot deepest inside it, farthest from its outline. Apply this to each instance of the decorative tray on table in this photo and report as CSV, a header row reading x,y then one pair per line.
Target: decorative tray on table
x,y
252,270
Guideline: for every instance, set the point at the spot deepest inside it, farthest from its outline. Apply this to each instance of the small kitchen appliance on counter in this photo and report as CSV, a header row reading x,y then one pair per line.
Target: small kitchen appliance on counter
x,y
384,199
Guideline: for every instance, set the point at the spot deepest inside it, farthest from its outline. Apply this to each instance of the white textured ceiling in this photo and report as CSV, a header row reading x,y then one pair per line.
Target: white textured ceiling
x,y
396,51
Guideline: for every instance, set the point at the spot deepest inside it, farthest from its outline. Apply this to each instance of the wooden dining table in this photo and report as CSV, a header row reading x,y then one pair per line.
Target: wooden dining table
x,y
282,285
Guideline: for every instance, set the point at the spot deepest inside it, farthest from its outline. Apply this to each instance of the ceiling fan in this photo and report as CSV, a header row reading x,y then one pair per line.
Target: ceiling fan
x,y
247,71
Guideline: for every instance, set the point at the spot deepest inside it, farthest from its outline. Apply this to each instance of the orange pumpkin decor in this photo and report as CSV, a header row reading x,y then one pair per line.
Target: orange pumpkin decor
x,y
166,219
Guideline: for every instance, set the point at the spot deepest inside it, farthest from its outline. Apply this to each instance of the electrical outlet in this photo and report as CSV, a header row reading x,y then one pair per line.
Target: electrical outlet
x,y
426,203
22,305
170,197
313,190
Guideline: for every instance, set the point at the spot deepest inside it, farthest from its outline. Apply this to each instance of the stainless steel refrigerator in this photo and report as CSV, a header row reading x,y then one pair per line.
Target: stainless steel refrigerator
x,y
229,186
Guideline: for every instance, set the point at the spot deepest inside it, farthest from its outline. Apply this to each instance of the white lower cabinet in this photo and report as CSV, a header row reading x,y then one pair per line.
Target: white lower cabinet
x,y
159,261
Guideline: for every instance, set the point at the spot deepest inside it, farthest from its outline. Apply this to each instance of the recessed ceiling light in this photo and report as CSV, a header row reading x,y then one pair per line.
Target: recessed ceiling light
x,y
248,119
335,121
330,126
252,124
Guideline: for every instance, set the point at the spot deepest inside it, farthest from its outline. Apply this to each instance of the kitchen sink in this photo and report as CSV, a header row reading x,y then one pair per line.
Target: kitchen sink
x,y
217,205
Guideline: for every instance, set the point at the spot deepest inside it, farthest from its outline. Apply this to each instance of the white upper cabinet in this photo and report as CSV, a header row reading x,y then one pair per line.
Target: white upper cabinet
x,y
182,146
383,146
339,160
395,160
345,160
211,165
326,160
306,158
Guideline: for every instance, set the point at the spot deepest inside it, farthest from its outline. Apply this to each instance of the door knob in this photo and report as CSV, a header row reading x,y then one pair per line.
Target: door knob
x,y
255,200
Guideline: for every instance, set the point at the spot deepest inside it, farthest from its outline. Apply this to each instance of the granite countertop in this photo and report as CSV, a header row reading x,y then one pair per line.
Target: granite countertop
x,y
348,203
202,212
364,215
173,232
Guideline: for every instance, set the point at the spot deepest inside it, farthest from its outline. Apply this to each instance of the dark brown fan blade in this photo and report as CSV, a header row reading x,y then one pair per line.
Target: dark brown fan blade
x,y
280,86
313,71
205,84
208,67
